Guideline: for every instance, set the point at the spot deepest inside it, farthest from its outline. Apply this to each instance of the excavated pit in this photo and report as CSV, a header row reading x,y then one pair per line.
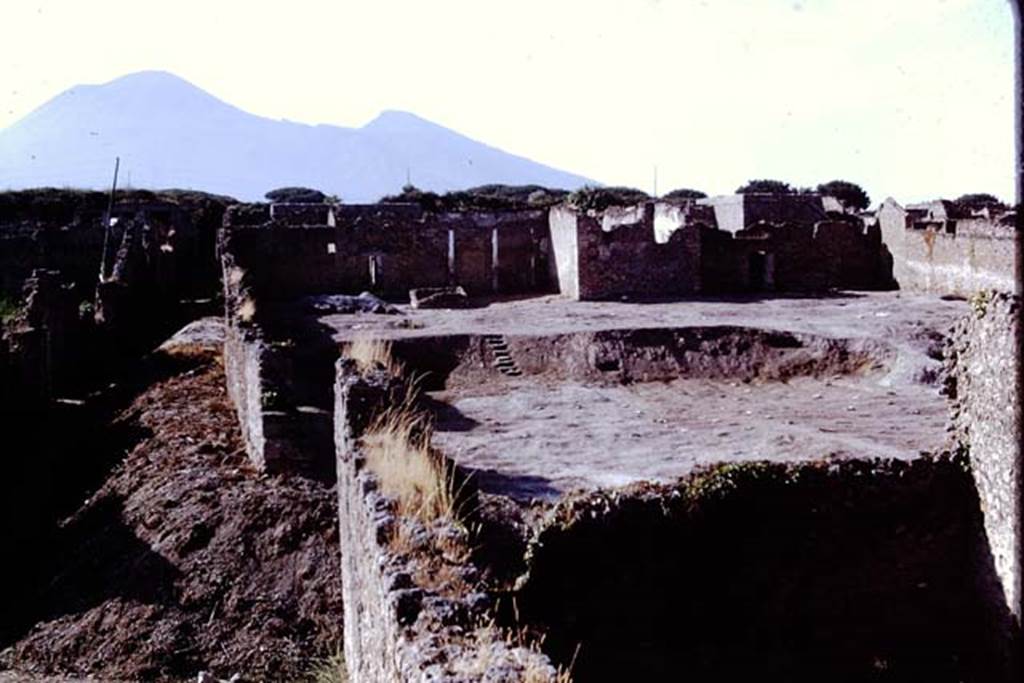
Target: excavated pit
x,y
711,491
545,415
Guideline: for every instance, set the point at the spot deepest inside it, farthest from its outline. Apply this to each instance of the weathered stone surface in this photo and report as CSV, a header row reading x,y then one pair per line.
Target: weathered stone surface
x,y
984,371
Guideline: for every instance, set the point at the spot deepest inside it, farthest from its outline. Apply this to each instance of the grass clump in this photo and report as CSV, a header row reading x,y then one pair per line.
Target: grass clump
x,y
330,669
398,452
373,354
8,308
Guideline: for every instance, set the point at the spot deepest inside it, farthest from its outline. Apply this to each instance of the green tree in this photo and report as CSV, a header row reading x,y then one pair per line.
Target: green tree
x,y
765,186
979,200
850,195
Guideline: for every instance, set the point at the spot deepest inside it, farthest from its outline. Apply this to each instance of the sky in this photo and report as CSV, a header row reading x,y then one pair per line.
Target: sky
x,y
909,98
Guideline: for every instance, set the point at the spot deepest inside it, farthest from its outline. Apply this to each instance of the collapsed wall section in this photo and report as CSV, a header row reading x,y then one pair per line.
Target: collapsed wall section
x,y
984,383
387,249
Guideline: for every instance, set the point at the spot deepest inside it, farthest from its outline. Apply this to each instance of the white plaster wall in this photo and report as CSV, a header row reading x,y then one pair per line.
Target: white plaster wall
x,y
565,254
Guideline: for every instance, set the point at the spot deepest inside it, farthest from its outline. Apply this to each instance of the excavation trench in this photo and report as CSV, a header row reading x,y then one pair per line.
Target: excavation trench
x,y
715,502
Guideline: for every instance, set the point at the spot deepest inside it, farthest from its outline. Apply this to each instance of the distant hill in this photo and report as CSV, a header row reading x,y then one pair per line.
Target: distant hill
x,y
170,133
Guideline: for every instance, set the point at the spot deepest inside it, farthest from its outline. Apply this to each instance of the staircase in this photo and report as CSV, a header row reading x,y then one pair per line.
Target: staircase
x,y
502,358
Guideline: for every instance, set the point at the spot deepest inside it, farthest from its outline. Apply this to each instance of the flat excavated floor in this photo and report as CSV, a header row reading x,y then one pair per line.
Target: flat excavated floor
x,y
892,316
542,440
535,437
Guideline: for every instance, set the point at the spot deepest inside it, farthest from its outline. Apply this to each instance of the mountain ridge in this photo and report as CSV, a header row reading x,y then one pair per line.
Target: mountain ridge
x,y
171,133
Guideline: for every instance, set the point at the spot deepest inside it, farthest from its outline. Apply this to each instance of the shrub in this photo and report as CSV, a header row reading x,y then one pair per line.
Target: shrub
x,y
372,354
296,195
589,198
683,193
8,308
493,197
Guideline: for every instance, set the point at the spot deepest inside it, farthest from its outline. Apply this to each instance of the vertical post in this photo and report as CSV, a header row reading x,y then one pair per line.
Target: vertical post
x,y
106,222
451,257
494,259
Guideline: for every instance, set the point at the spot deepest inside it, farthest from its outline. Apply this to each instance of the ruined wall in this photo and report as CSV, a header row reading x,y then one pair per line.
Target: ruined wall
x,y
958,256
66,233
396,630
615,253
45,343
387,249
985,365
670,217
735,212
286,427
243,352
842,254
978,255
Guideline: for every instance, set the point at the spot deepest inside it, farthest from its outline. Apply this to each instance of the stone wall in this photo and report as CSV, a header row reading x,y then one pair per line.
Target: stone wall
x,y
284,426
958,256
843,254
388,249
69,237
615,254
984,359
45,343
395,629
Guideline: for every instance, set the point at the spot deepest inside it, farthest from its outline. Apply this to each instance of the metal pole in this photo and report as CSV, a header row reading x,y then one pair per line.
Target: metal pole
x,y
106,220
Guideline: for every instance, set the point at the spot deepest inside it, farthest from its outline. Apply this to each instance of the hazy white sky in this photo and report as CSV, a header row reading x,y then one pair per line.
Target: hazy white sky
x,y
910,98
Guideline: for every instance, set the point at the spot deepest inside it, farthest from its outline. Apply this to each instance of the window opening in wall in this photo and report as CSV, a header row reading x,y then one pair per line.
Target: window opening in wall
x,y
332,248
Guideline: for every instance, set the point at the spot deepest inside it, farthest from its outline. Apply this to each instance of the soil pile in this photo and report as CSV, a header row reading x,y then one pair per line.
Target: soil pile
x,y
186,559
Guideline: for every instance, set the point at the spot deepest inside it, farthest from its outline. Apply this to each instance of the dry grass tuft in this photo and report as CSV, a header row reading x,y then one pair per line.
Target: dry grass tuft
x,y
331,669
372,354
397,447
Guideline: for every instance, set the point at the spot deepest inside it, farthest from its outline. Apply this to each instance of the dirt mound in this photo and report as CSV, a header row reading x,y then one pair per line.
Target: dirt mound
x,y
186,559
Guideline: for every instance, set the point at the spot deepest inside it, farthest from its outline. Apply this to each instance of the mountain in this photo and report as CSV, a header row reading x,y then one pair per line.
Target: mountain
x,y
170,133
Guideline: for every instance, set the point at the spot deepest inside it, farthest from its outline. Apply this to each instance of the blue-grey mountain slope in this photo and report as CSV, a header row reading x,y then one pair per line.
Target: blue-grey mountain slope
x,y
170,133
